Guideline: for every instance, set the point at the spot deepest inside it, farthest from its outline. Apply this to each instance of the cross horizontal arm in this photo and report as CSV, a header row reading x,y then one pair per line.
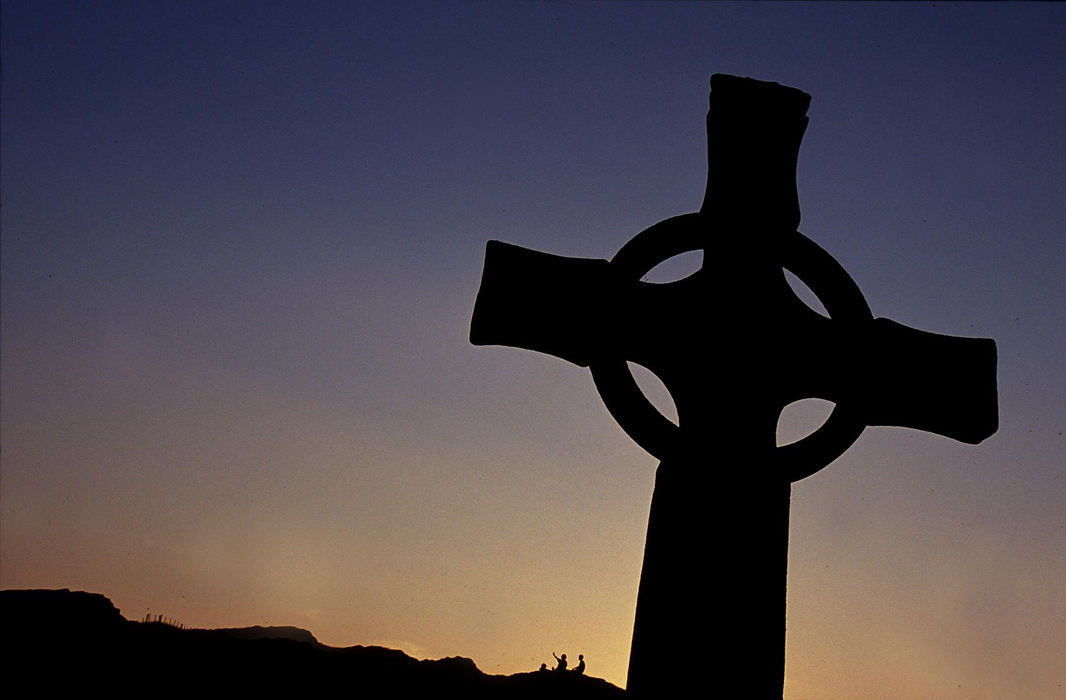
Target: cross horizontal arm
x,y
543,302
888,374
938,383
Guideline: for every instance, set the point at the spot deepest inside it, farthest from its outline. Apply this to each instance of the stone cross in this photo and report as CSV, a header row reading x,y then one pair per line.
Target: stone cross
x,y
733,345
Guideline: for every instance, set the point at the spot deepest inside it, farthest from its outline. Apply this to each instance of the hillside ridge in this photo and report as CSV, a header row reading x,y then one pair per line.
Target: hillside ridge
x,y
63,640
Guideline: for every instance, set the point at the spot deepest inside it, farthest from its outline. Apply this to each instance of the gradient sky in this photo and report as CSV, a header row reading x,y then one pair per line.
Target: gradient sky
x,y
241,244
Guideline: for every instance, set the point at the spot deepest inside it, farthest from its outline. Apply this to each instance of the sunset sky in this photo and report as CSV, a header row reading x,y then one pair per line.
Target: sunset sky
x,y
241,243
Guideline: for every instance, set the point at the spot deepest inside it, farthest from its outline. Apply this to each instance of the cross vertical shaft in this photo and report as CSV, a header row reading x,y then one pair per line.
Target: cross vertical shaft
x,y
716,554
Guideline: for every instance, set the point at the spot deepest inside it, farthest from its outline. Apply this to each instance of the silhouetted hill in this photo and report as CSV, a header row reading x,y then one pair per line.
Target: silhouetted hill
x,y
59,641
294,633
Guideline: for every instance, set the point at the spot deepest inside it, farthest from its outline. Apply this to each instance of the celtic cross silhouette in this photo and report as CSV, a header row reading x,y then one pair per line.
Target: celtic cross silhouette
x,y
733,345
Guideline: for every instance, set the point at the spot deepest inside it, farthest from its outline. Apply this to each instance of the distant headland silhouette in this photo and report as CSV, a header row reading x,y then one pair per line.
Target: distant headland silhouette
x,y
62,643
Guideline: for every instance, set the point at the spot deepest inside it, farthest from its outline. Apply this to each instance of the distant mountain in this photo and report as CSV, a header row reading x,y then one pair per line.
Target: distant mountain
x,y
294,633
64,642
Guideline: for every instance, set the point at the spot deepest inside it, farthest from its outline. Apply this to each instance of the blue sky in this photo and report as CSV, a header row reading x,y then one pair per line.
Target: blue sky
x,y
241,244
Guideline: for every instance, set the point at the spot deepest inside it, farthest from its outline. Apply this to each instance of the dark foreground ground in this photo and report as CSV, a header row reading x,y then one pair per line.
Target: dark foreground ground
x,y
63,643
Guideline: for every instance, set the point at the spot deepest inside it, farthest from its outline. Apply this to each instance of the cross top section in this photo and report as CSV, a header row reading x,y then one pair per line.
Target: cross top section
x,y
732,343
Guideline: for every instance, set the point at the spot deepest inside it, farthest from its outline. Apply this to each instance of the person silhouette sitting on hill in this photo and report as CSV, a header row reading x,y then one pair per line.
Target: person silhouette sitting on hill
x,y
580,668
561,666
